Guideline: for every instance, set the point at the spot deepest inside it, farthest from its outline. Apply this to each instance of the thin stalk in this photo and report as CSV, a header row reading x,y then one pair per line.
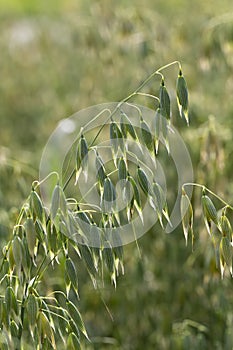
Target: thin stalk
x,y
35,184
152,75
157,72
105,305
22,312
70,152
140,162
208,190
136,241
69,179
55,314
138,109
148,95
38,271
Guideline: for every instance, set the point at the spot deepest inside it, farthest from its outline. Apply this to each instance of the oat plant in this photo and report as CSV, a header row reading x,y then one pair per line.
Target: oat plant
x,y
46,237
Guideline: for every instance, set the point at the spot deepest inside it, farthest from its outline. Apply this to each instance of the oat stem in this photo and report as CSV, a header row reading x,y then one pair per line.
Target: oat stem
x,y
152,75
157,72
208,190
148,95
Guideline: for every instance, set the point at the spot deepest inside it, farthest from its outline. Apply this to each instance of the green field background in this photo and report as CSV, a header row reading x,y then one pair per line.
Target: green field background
x,y
58,57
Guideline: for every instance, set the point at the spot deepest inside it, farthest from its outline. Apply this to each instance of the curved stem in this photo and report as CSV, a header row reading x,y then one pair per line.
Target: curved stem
x,y
137,108
38,183
152,75
58,292
97,116
158,71
208,190
136,241
55,314
86,210
139,161
105,305
70,154
148,95
68,180
169,65
22,212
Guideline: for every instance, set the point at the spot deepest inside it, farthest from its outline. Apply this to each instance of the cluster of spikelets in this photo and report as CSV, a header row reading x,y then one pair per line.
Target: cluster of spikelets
x,y
66,231
134,182
218,227
36,244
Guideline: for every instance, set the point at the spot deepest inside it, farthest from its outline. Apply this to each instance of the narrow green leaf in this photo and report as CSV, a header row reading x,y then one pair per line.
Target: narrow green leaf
x,y
83,148
157,129
46,328
108,257
14,303
226,252
17,250
5,315
75,341
74,327
161,130
225,227
136,193
8,299
63,204
101,173
87,256
114,137
84,155
122,169
32,309
182,96
136,197
146,135
52,237
5,267
14,329
40,234
26,258
72,273
186,215
83,225
30,235
78,164
81,158
209,211
69,343
127,192
109,195
143,181
164,98
216,239
159,200
77,318
36,205
55,202
95,239
127,127
117,249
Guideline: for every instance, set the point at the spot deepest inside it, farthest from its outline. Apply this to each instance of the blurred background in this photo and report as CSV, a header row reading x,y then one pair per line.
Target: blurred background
x,y
58,57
